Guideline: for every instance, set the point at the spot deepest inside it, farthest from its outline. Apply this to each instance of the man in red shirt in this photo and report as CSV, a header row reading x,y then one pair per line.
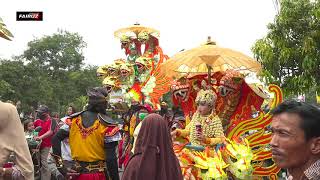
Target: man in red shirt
x,y
47,128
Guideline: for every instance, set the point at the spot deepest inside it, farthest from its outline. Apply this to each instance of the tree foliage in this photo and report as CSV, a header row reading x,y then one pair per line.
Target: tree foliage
x,y
51,71
290,52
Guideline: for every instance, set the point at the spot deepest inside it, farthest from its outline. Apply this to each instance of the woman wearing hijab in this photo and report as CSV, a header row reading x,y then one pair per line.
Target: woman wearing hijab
x,y
153,158
15,159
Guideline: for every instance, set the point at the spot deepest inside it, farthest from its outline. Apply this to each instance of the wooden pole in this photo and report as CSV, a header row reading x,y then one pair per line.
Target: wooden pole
x,y
209,76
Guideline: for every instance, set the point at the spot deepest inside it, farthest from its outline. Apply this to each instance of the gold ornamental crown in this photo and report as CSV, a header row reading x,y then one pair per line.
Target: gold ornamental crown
x,y
207,97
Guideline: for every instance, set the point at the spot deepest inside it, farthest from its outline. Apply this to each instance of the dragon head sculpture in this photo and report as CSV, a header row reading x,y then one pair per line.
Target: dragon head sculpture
x,y
151,42
184,92
211,164
239,156
125,41
131,45
230,83
114,68
180,89
126,70
229,92
102,71
111,83
143,37
143,64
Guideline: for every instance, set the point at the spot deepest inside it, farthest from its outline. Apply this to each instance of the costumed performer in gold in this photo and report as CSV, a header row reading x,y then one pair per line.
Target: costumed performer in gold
x,y
205,128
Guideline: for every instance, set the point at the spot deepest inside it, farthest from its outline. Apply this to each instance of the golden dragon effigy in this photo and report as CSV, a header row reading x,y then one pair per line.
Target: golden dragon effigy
x,y
137,77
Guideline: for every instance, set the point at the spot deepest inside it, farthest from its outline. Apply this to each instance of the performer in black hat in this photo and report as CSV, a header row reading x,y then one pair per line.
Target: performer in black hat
x,y
93,138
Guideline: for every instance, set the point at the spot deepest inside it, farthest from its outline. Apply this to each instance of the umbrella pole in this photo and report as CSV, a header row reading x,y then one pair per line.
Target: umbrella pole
x,y
209,76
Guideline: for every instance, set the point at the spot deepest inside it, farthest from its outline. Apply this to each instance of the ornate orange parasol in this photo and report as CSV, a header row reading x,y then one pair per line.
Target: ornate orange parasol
x,y
4,32
208,57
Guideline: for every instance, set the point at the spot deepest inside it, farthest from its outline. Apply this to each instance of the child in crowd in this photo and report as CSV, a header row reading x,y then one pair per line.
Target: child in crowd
x,y
28,127
30,133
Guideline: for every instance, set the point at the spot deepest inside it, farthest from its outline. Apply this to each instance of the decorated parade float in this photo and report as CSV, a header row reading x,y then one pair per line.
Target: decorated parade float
x,y
137,78
235,134
135,83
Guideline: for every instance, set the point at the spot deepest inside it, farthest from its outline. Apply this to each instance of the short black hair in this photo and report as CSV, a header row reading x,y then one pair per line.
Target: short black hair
x,y
309,114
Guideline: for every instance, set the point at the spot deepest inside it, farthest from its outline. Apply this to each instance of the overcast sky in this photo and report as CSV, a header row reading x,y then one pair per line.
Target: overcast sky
x,y
234,24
